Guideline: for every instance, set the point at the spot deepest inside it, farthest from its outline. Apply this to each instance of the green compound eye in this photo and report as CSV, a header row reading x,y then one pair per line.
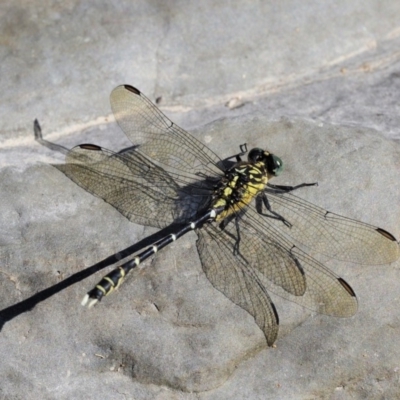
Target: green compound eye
x,y
274,164
278,165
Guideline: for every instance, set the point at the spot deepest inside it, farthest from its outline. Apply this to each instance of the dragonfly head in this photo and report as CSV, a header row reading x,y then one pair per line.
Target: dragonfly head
x,y
273,163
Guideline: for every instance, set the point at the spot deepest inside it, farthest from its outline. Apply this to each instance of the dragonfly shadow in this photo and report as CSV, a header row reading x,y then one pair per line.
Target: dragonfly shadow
x,y
37,130
9,313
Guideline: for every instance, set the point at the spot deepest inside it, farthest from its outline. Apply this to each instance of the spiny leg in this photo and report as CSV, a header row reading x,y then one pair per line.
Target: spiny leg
x,y
243,151
236,246
287,188
227,163
224,223
263,199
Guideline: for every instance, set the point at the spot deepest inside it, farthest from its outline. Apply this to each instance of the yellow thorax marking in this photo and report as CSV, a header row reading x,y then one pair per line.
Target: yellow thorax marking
x,y
256,183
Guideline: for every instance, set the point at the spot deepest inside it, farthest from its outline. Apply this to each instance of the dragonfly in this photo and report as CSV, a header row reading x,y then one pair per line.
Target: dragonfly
x,y
252,234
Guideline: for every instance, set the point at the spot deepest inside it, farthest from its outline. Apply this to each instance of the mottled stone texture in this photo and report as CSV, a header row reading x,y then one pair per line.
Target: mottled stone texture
x,y
317,83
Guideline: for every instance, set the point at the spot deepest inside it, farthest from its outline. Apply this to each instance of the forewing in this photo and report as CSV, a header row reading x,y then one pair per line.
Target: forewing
x,y
137,188
158,137
331,234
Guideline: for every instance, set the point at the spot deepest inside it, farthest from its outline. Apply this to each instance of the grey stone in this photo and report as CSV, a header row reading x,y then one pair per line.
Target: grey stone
x,y
167,326
318,85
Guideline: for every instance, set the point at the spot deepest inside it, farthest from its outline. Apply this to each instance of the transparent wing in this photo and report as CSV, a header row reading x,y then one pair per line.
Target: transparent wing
x,y
236,280
141,191
328,233
284,269
158,137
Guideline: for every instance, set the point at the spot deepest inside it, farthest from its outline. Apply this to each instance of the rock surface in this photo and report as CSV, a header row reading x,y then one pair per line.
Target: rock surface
x,y
316,84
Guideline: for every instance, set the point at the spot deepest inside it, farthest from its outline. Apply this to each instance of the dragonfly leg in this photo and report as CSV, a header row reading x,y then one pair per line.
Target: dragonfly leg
x,y
236,246
228,163
286,189
263,199
222,226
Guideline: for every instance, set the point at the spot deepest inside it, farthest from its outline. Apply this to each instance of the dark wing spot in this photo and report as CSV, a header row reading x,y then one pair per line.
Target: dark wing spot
x,y
132,89
90,147
386,234
347,287
275,312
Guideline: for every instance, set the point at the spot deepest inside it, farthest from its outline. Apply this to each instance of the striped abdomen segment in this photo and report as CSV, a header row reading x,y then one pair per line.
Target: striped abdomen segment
x,y
114,279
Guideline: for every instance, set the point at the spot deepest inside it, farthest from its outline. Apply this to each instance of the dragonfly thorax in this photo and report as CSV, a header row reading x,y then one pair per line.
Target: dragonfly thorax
x,y
244,181
236,190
